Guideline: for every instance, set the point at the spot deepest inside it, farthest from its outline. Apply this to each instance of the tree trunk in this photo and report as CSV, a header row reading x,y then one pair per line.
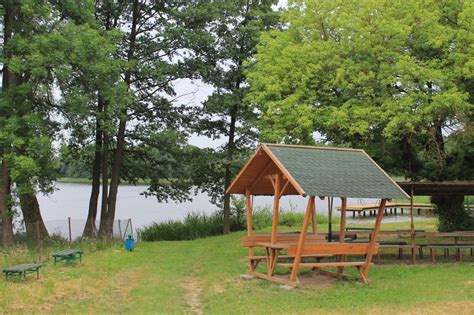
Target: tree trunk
x,y
32,216
452,215
90,228
5,213
5,185
118,156
228,172
115,180
104,230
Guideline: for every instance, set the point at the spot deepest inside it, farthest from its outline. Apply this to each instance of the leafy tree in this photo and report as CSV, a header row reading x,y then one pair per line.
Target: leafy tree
x,y
140,135
395,78
46,40
236,30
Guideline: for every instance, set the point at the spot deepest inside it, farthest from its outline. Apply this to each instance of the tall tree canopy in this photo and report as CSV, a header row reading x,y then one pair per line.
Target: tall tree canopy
x,y
235,27
39,49
396,78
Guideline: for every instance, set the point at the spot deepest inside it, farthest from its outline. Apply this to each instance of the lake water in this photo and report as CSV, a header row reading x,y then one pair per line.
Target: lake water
x,y
72,200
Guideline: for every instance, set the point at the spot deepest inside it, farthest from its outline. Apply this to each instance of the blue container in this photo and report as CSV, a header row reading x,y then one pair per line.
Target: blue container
x,y
129,243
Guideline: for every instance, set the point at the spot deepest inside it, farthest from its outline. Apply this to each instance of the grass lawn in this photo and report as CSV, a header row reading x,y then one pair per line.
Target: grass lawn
x,y
202,276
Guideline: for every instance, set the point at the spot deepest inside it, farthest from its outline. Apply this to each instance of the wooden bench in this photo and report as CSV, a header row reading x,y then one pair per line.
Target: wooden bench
x,y
252,241
256,260
22,270
68,255
446,247
336,249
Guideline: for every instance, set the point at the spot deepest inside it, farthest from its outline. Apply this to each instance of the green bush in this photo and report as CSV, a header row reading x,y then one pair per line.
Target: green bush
x,y
262,218
197,225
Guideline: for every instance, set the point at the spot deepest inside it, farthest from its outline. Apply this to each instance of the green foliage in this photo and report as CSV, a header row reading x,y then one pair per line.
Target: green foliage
x,y
394,78
196,225
262,218
235,28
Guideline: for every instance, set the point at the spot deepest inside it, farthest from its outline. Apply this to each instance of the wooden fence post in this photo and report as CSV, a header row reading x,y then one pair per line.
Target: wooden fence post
x,y
120,230
69,225
38,241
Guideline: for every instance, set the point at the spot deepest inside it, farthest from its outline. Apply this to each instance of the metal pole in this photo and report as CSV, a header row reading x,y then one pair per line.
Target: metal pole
x,y
330,203
69,224
131,227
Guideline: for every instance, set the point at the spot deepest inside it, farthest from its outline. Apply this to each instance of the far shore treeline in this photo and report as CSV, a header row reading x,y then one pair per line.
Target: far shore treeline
x,y
90,89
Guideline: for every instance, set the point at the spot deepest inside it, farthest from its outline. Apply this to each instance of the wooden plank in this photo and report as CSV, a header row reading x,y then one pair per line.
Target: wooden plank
x,y
284,187
388,205
248,205
373,241
325,264
276,208
342,229
281,238
273,278
301,241
274,245
313,219
334,249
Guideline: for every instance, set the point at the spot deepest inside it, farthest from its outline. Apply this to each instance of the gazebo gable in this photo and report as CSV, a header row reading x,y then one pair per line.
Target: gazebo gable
x,y
259,176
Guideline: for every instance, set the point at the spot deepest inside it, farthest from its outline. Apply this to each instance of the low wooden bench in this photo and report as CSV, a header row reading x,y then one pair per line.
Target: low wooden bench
x,y
68,255
22,270
458,248
256,260
332,249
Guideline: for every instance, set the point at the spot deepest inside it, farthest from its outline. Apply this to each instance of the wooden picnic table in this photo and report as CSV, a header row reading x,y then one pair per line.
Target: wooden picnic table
x,y
22,270
68,255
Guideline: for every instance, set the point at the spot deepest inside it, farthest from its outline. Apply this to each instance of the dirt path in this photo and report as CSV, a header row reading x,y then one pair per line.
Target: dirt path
x,y
193,290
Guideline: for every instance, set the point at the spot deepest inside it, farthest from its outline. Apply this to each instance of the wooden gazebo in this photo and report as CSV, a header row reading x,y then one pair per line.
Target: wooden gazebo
x,y
280,170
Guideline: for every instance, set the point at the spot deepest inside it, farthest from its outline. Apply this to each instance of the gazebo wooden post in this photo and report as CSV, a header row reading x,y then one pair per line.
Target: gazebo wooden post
x,y
313,219
248,203
412,229
304,229
342,230
330,204
373,241
276,206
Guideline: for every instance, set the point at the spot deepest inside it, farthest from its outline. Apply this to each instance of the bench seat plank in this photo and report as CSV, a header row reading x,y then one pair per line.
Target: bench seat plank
x,y
22,270
326,264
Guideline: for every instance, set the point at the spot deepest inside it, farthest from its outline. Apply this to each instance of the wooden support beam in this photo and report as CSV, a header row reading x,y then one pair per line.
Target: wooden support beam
x,y
342,230
373,241
248,204
304,229
313,219
284,187
276,207
412,228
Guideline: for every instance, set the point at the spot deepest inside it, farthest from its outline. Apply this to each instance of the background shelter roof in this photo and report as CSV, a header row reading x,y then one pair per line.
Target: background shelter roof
x,y
317,171
429,188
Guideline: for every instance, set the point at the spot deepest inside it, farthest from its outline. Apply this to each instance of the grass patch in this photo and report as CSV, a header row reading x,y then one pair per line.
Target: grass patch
x,y
163,277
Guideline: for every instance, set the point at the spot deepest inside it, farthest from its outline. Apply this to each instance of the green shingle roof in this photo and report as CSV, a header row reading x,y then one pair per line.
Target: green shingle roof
x,y
321,171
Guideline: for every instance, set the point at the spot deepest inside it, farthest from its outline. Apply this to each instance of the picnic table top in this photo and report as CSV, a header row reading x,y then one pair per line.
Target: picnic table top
x,y
274,245
67,252
21,267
